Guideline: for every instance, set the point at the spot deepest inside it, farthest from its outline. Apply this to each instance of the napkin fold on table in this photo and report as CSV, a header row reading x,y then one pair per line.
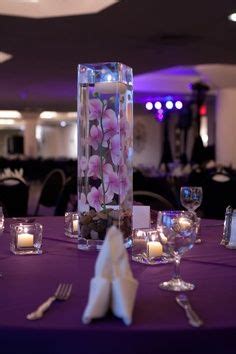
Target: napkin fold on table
x,y
113,285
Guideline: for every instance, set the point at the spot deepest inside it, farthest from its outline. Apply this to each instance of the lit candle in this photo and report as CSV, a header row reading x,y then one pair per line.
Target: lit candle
x,y
75,225
109,87
184,223
25,240
154,249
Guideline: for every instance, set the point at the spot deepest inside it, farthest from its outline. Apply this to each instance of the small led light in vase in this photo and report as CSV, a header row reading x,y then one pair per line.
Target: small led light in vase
x,y
150,247
184,223
71,224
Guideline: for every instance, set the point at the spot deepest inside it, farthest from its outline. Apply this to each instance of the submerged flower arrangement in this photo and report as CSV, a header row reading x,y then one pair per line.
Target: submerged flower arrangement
x,y
105,168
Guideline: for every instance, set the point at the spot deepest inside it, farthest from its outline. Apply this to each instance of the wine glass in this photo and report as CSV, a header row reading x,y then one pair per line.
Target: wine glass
x,y
177,230
1,225
1,219
191,199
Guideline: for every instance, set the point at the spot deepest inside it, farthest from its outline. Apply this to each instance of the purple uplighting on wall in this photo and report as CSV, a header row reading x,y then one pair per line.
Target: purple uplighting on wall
x,y
159,115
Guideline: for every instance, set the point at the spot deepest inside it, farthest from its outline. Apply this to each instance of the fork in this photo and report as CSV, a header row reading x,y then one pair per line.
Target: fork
x,y
62,293
193,318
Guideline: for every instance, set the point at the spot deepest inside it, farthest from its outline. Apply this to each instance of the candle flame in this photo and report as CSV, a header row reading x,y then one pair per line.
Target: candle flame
x,y
109,77
139,233
153,237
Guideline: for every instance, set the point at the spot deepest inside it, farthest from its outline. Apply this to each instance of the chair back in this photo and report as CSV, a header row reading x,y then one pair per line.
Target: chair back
x,y
51,189
219,191
156,201
14,195
67,200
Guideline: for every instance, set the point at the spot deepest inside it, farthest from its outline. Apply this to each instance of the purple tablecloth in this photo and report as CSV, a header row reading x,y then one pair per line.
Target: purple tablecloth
x,y
159,324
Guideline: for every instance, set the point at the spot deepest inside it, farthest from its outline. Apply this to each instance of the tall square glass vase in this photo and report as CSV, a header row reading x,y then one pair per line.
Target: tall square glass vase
x,y
105,152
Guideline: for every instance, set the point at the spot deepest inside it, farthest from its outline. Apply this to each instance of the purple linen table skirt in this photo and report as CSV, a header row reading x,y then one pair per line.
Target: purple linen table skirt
x,y
159,324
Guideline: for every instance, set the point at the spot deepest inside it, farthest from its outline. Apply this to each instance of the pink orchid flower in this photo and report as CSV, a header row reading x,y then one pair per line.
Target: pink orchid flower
x,y
124,182
115,149
82,205
83,163
95,137
95,109
124,187
124,128
109,124
94,167
107,168
109,195
95,198
111,182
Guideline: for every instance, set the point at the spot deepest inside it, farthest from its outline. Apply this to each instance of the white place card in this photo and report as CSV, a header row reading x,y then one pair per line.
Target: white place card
x,y
141,216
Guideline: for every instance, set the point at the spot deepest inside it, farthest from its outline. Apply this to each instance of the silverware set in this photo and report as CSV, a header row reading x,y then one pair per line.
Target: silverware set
x,y
62,293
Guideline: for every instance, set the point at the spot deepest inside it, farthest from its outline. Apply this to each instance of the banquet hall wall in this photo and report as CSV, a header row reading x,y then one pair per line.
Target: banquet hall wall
x,y
52,140
57,147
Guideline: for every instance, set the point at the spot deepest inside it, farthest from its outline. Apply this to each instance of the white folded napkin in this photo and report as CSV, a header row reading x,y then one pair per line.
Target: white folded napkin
x,y
113,285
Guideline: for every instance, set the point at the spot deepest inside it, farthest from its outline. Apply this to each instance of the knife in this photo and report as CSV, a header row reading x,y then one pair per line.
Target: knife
x,y
193,318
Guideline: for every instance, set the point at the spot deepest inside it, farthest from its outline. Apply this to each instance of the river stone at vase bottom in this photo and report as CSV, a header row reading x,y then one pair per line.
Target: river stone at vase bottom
x,y
93,225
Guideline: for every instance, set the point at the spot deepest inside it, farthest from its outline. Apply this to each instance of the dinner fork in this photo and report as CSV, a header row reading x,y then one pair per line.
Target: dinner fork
x,y
62,293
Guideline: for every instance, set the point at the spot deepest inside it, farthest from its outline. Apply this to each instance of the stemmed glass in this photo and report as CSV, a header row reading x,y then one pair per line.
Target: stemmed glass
x,y
191,199
177,231
1,225
1,219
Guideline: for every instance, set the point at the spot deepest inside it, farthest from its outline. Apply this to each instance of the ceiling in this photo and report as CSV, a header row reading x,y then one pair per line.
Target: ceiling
x,y
148,35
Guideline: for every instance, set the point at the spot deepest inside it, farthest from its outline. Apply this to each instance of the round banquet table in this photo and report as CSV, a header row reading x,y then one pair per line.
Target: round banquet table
x,y
159,324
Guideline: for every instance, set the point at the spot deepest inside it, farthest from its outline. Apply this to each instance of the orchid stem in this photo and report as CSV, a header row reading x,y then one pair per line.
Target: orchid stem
x,y
101,162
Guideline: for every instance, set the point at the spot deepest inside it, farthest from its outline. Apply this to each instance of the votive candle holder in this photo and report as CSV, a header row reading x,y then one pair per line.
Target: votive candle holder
x,y
71,224
148,247
26,238
1,220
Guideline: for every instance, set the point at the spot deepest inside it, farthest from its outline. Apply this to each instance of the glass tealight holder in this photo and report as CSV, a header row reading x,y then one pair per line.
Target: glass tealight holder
x,y
198,231
1,220
26,238
148,247
71,224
